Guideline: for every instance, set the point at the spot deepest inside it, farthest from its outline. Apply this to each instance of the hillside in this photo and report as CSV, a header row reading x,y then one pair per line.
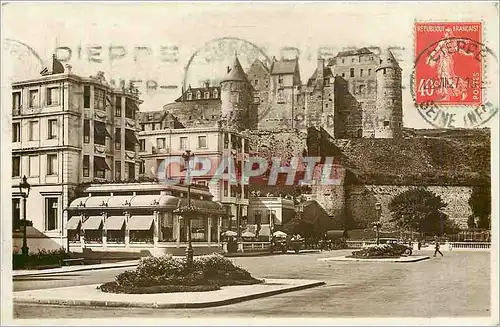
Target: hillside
x,y
452,158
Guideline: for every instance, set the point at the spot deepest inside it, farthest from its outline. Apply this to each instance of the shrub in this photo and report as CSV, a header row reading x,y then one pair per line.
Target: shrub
x,y
41,258
169,274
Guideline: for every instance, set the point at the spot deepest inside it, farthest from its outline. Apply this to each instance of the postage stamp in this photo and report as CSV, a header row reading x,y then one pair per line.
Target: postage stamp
x,y
451,68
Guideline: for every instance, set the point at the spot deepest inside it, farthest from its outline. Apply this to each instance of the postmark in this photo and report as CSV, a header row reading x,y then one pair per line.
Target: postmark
x,y
449,84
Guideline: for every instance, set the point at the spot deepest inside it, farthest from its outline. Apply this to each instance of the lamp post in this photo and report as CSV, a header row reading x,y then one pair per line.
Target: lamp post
x,y
378,224
189,250
24,188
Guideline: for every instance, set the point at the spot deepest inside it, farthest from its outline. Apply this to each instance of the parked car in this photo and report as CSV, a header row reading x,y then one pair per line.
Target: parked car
x,y
279,245
397,245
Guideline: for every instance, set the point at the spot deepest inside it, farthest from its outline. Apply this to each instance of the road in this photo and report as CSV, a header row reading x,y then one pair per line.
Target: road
x,y
457,284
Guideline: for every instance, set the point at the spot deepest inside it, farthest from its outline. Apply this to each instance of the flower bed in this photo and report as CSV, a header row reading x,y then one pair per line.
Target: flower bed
x,y
167,274
381,251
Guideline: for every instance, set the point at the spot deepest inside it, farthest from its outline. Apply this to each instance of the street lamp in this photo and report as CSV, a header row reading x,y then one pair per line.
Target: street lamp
x,y
189,250
378,223
24,188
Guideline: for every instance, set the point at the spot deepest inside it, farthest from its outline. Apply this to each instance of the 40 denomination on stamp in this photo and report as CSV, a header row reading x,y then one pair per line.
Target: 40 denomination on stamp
x,y
449,69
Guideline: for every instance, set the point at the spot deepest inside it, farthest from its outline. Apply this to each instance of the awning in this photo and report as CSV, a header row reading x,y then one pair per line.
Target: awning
x,y
100,163
140,222
92,223
73,222
130,136
114,223
101,130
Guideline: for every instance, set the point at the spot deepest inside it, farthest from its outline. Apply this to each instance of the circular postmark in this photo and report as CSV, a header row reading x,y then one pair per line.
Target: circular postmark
x,y
23,61
446,91
209,64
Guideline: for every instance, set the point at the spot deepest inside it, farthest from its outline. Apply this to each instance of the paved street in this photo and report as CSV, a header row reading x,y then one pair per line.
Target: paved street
x,y
456,285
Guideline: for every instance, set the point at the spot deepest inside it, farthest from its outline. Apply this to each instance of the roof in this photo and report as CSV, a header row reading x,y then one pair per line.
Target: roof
x,y
327,73
258,62
387,60
204,89
348,53
151,116
285,66
235,72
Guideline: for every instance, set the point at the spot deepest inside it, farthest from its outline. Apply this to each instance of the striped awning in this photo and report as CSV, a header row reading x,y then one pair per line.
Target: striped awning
x,y
92,223
114,223
140,222
73,222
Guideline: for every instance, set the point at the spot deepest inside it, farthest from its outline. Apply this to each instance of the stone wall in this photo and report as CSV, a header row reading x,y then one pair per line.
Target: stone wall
x,y
361,199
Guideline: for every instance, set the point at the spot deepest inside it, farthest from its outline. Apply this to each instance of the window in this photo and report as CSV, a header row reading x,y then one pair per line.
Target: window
x,y
16,166
86,166
16,213
235,97
281,97
386,123
98,99
52,96
183,143
226,187
157,126
361,73
16,103
143,127
166,227
369,72
280,79
130,108
130,140
16,132
352,72
33,130
343,61
189,96
142,167
385,71
226,141
202,142
100,167
160,143
86,96
34,165
393,101
206,95
131,170
360,133
153,126
371,58
256,82
118,138
142,145
118,106
52,129
99,133
51,164
258,217
361,89
343,74
34,100
352,60
51,210
359,59
118,170
86,131
216,94
198,95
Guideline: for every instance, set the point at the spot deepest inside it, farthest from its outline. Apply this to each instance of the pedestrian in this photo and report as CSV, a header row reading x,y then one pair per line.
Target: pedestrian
x,y
437,248
419,244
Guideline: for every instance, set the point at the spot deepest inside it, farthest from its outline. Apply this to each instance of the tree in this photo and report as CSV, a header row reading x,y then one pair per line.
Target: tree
x,y
421,210
480,204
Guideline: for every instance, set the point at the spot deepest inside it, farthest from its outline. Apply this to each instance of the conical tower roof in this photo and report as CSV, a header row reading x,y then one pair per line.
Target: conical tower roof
x,y
235,72
387,60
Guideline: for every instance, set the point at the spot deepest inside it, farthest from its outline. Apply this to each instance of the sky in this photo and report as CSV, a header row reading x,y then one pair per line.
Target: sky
x,y
154,42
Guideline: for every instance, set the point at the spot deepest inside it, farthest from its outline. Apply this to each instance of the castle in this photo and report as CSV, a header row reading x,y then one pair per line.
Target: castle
x,y
357,94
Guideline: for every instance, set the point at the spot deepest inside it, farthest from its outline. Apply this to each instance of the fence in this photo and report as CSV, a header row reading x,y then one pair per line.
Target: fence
x,y
469,245
478,246
256,246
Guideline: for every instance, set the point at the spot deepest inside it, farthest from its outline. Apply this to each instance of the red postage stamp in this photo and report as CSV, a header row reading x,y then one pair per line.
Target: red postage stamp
x,y
448,63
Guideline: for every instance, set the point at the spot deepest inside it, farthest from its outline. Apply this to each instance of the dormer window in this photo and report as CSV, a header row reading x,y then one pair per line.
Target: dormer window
x,y
215,94
189,96
206,95
198,95
280,79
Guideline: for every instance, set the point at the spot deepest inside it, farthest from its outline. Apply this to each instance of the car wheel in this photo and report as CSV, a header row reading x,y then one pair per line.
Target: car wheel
x,y
408,252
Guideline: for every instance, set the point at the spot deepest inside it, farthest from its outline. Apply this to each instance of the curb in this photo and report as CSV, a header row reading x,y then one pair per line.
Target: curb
x,y
155,305
83,268
344,259
263,254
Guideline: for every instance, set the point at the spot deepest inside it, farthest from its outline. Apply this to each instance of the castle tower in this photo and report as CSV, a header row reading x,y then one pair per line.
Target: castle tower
x,y
388,103
236,97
